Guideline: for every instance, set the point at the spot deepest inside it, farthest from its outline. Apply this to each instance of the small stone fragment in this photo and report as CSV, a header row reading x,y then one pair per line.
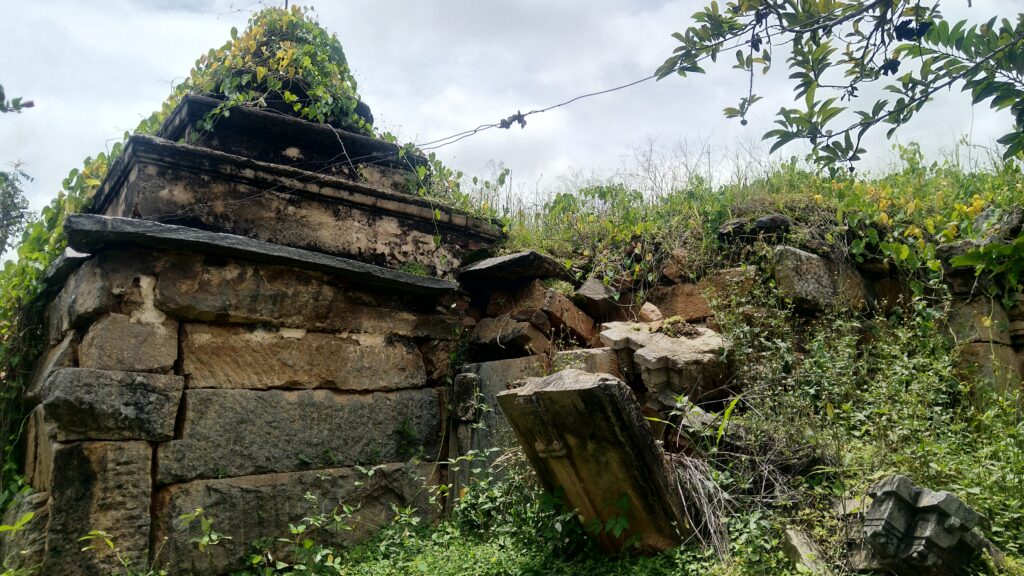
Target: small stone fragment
x,y
649,313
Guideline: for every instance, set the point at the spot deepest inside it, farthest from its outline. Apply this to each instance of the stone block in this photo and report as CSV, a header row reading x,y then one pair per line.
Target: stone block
x,y
996,364
262,507
695,365
805,279
803,551
86,294
514,267
979,320
88,404
228,433
98,486
598,300
594,360
584,434
682,300
24,549
561,312
63,355
481,430
504,337
160,180
262,358
137,343
211,289
727,282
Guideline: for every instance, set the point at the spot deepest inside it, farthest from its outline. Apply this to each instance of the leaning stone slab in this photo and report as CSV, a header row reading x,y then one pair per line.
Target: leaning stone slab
x,y
88,404
515,267
228,433
694,365
134,344
250,508
98,486
92,233
599,300
682,300
585,434
262,358
159,180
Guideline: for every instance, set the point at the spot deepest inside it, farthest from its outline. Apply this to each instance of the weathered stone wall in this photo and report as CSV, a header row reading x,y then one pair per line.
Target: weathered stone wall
x,y
179,381
188,368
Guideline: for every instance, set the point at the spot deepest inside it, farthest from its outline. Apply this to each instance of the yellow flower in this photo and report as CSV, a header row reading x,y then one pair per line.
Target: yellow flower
x,y
883,218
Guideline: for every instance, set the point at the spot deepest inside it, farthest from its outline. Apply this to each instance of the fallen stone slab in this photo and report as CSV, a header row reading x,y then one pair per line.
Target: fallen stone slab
x,y
229,433
584,435
262,507
133,344
88,404
98,486
159,180
92,233
915,531
504,337
515,267
561,312
263,358
695,365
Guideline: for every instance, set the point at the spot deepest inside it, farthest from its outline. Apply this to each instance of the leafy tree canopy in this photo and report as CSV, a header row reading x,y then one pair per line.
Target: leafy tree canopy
x,y
14,104
836,47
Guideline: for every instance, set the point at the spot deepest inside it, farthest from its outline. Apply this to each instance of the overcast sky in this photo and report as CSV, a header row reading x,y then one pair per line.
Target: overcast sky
x,y
428,69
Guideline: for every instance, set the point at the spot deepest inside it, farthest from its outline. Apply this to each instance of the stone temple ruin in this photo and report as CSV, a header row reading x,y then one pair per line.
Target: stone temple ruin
x,y
236,323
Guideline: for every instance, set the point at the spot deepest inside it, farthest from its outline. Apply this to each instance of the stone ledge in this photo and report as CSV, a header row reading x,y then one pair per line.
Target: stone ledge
x,y
92,233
